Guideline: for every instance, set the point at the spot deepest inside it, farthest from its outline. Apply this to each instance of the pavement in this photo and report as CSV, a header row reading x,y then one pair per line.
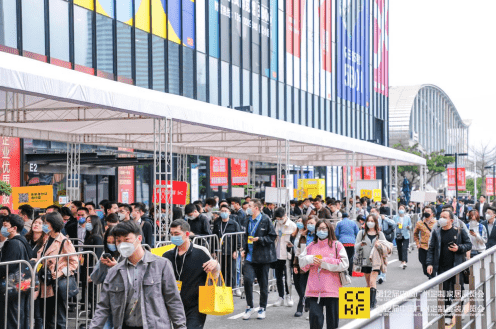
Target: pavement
x,y
397,281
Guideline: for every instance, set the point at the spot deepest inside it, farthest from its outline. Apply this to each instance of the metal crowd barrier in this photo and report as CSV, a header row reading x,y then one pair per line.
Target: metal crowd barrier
x,y
232,268
162,243
411,309
211,242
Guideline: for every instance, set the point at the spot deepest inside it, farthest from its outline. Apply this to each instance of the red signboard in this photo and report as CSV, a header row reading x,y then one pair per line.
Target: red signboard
x,y
11,166
273,182
179,192
369,173
126,179
452,179
461,179
218,171
239,172
489,186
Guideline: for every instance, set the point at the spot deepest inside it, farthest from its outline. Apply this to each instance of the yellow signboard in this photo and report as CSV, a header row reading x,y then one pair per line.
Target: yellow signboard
x,y
354,303
161,250
35,196
311,188
366,193
377,195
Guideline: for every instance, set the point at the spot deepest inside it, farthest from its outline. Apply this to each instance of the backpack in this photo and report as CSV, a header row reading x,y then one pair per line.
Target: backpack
x,y
480,228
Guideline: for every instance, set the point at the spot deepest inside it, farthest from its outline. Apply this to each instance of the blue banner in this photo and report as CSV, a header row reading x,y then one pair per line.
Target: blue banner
x,y
213,28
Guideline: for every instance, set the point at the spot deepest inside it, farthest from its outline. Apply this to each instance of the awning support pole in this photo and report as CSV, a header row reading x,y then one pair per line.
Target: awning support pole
x,y
162,173
251,191
73,170
279,173
397,187
391,181
347,187
182,165
288,188
353,211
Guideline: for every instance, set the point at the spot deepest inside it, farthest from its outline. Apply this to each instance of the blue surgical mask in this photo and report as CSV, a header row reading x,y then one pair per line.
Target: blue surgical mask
x,y
89,227
81,220
177,240
401,212
112,247
300,225
224,215
311,228
5,232
322,235
249,212
45,229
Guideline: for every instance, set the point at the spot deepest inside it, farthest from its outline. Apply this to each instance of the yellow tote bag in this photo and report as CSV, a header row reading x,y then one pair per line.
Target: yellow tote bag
x,y
215,300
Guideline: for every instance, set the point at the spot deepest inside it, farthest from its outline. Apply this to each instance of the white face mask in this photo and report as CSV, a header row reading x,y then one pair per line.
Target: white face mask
x,y
443,222
370,224
126,249
488,216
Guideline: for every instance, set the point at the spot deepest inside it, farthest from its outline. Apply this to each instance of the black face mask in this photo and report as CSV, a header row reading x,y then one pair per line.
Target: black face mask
x,y
426,215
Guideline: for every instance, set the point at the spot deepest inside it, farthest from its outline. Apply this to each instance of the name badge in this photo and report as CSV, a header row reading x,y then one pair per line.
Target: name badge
x,y
179,285
250,240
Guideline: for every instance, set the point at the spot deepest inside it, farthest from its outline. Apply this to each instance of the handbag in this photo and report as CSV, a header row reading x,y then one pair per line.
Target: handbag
x,y
215,300
67,287
343,275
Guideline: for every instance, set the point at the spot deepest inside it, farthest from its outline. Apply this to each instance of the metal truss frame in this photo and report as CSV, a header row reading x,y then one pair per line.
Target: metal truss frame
x,y
355,185
162,174
182,167
73,171
283,157
393,186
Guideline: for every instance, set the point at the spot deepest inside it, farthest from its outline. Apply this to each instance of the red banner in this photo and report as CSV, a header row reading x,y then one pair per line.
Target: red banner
x,y
461,179
369,173
125,179
11,166
489,186
179,192
452,179
273,181
218,171
239,172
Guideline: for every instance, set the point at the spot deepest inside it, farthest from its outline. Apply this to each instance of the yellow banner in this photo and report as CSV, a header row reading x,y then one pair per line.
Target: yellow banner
x,y
366,193
35,196
354,303
377,195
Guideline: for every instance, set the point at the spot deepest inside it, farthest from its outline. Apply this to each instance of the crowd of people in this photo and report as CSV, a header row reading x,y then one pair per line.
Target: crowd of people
x,y
309,245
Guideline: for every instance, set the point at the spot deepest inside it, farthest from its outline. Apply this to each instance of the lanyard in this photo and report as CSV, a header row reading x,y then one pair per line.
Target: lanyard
x,y
225,228
182,266
254,229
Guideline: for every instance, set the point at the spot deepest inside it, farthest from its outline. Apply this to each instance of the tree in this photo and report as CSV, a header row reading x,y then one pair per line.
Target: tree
x,y
436,164
485,156
470,187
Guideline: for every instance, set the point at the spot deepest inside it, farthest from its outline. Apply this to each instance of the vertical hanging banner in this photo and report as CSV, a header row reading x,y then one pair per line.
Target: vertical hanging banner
x,y
381,44
489,186
274,38
188,23
125,179
353,59
461,179
369,173
273,181
218,171
10,152
239,172
451,179
213,28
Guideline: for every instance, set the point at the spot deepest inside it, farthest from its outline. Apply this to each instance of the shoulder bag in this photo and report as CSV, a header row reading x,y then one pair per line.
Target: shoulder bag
x,y
343,275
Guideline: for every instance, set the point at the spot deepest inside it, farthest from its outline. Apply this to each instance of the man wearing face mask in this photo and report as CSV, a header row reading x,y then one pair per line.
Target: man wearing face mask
x,y
82,213
447,248
141,291
124,212
489,225
146,226
230,246
190,263
199,224
284,229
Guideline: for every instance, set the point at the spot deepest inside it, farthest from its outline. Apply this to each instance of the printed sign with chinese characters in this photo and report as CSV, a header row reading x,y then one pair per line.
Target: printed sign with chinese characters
x,y
369,173
126,179
218,171
36,196
179,192
10,170
239,172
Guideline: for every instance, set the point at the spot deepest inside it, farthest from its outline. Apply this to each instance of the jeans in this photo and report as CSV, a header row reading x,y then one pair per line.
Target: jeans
x,y
317,312
382,276
403,245
13,310
300,282
110,323
350,251
38,316
194,319
49,311
281,274
422,254
261,272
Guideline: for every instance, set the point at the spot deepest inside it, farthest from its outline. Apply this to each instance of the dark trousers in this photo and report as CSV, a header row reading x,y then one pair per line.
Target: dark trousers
x,y
38,316
128,327
300,282
49,310
229,270
13,310
194,319
281,274
449,287
403,245
317,312
350,251
422,254
261,272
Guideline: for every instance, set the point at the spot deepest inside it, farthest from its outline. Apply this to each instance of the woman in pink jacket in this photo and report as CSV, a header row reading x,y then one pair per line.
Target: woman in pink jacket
x,y
324,258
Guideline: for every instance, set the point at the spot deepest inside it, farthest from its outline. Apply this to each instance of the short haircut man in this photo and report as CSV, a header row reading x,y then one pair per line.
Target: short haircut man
x,y
5,211
26,210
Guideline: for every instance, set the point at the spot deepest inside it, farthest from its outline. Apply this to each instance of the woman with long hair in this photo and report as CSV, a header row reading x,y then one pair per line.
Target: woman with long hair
x,y
36,237
365,242
300,278
478,234
324,259
403,224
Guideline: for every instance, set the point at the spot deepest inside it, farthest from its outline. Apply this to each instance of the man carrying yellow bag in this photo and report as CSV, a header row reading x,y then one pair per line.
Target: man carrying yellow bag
x,y
215,300
191,263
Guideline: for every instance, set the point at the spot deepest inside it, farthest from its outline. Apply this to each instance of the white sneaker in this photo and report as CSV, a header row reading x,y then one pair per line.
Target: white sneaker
x,y
279,302
447,321
401,265
237,292
261,313
288,301
248,313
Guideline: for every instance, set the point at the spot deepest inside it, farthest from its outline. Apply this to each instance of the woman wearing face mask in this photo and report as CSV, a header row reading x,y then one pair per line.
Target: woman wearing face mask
x,y
403,224
299,277
478,234
107,261
422,234
365,241
324,258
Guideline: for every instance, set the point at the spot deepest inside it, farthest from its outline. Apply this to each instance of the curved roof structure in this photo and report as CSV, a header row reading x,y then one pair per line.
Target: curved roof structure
x,y
425,114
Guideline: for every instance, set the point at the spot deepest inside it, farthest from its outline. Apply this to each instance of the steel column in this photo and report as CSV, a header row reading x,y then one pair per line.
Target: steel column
x,y
391,180
72,171
347,181
286,173
162,173
354,180
396,185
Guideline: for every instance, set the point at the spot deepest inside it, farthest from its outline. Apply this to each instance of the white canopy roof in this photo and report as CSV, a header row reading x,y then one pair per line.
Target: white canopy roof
x,y
43,101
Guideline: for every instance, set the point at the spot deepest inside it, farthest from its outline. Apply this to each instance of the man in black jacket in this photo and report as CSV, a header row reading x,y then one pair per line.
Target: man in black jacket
x,y
146,226
259,252
447,248
241,217
198,223
489,224
481,206
15,248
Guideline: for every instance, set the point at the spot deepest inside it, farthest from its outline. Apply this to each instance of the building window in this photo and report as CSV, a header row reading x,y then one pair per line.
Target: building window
x,y
225,30
311,110
174,82
33,29
188,72
236,33
142,59
281,114
226,85
256,94
200,25
201,77
124,64
83,43
255,37
273,98
236,83
296,106
104,47
8,26
246,88
265,96
59,33
213,76
158,60
289,103
246,41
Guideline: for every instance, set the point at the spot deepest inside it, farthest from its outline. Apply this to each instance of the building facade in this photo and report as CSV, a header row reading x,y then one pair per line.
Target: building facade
x,y
322,64
425,115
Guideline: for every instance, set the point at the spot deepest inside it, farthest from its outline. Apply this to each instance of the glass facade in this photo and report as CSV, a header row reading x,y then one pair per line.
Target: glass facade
x,y
321,64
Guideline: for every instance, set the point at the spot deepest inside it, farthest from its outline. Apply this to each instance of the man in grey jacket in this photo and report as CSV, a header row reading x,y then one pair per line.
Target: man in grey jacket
x,y
141,291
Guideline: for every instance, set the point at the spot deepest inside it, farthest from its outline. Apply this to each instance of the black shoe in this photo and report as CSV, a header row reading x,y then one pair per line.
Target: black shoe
x,y
380,281
298,314
373,301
